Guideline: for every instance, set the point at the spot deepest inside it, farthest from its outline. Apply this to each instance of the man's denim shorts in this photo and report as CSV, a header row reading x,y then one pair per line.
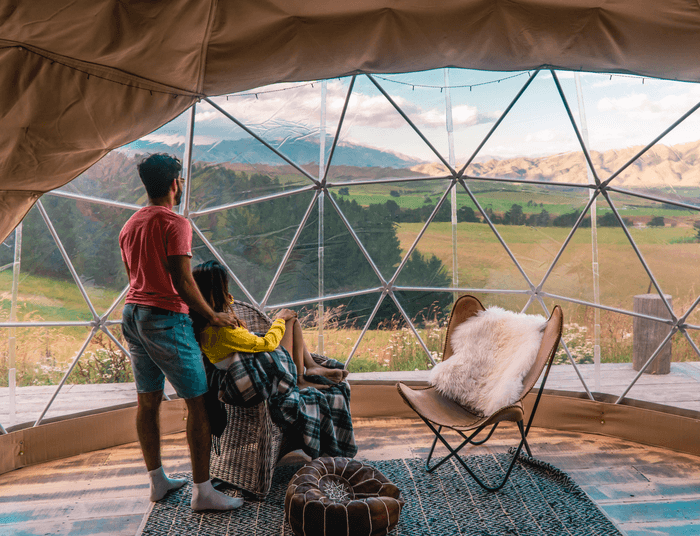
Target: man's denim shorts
x,y
162,345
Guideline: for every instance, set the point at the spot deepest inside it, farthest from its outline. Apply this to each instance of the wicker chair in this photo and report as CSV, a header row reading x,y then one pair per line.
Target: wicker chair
x,y
252,444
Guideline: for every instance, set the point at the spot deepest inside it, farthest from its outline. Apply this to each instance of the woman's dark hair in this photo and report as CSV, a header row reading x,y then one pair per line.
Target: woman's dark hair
x,y
157,172
212,280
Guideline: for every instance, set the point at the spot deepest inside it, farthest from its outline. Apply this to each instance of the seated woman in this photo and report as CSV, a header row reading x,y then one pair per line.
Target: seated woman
x,y
249,368
220,344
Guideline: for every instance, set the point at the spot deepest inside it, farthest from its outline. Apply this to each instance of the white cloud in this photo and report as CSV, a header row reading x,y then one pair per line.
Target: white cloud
x,y
640,106
300,105
546,136
168,139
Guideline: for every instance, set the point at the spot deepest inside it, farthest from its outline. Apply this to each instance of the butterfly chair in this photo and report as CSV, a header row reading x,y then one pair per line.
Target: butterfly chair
x,y
441,412
252,444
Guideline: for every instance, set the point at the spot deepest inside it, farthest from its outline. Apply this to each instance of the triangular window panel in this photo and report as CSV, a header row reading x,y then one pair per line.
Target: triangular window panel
x,y
389,344
429,312
254,239
230,164
373,211
431,261
624,114
299,278
42,357
423,98
288,117
532,220
621,272
667,241
375,135
46,288
89,233
478,100
535,141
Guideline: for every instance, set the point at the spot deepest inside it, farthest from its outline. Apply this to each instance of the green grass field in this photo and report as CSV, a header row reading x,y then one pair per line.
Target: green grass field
x,y
554,200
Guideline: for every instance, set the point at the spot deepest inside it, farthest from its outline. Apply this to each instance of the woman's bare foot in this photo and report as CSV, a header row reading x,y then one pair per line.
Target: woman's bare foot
x,y
302,383
335,375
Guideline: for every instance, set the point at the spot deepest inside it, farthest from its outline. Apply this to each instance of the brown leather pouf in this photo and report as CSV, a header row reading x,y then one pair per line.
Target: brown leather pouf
x,y
341,496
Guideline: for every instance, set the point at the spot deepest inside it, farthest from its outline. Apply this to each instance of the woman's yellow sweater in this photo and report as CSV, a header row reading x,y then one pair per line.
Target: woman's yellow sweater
x,y
219,343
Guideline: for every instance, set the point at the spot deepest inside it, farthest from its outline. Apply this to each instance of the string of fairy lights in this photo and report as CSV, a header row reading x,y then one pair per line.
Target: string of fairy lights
x,y
414,85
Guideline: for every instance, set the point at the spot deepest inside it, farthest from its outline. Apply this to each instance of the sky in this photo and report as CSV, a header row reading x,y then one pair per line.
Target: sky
x,y
620,111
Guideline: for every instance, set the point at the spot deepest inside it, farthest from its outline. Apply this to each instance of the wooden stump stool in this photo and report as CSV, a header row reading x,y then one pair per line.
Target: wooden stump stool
x,y
648,334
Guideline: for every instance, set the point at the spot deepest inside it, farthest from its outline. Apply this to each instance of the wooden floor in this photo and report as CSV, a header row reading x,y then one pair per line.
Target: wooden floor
x,y
643,490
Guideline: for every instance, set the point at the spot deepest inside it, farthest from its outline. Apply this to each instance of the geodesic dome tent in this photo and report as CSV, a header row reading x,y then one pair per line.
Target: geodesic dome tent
x,y
89,78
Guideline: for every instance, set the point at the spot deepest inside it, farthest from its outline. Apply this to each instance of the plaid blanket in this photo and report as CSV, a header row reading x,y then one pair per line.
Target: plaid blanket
x,y
321,417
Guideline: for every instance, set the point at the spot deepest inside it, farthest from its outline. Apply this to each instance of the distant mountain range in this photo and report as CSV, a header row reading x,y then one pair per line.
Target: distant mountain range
x,y
302,152
662,166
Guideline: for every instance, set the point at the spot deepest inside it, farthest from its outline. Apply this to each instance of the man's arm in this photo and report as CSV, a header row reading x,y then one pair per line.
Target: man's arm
x,y
184,283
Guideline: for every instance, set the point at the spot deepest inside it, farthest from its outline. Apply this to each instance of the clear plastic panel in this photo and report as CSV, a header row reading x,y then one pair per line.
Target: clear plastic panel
x,y
42,355
422,98
432,262
89,233
626,113
478,100
346,269
371,213
46,289
298,279
254,239
534,222
621,272
343,321
667,246
389,344
231,165
375,135
535,140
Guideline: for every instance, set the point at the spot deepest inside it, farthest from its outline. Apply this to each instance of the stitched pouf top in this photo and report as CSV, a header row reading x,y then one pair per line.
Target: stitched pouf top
x,y
341,496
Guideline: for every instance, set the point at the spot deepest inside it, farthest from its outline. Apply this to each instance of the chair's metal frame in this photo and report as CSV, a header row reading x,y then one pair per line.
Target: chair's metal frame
x,y
458,315
524,431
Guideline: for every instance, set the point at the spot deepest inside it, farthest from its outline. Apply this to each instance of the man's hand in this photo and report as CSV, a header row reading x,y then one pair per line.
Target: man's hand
x,y
222,320
286,315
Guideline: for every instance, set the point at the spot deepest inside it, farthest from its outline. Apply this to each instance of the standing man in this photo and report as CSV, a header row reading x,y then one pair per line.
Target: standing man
x,y
156,246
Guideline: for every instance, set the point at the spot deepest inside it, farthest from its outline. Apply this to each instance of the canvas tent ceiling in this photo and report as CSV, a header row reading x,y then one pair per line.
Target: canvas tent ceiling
x,y
80,78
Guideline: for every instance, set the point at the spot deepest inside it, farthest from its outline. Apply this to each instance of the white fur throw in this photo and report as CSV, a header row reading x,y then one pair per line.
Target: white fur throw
x,y
492,353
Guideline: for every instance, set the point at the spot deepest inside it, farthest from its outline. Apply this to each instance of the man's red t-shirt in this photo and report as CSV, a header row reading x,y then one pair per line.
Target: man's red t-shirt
x,y
146,241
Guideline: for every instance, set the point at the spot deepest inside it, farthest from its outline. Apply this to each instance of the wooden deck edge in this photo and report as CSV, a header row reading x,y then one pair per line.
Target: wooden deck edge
x,y
633,420
77,435
641,422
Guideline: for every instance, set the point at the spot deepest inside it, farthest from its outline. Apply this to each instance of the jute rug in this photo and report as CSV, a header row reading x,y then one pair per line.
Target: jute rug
x,y
538,499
